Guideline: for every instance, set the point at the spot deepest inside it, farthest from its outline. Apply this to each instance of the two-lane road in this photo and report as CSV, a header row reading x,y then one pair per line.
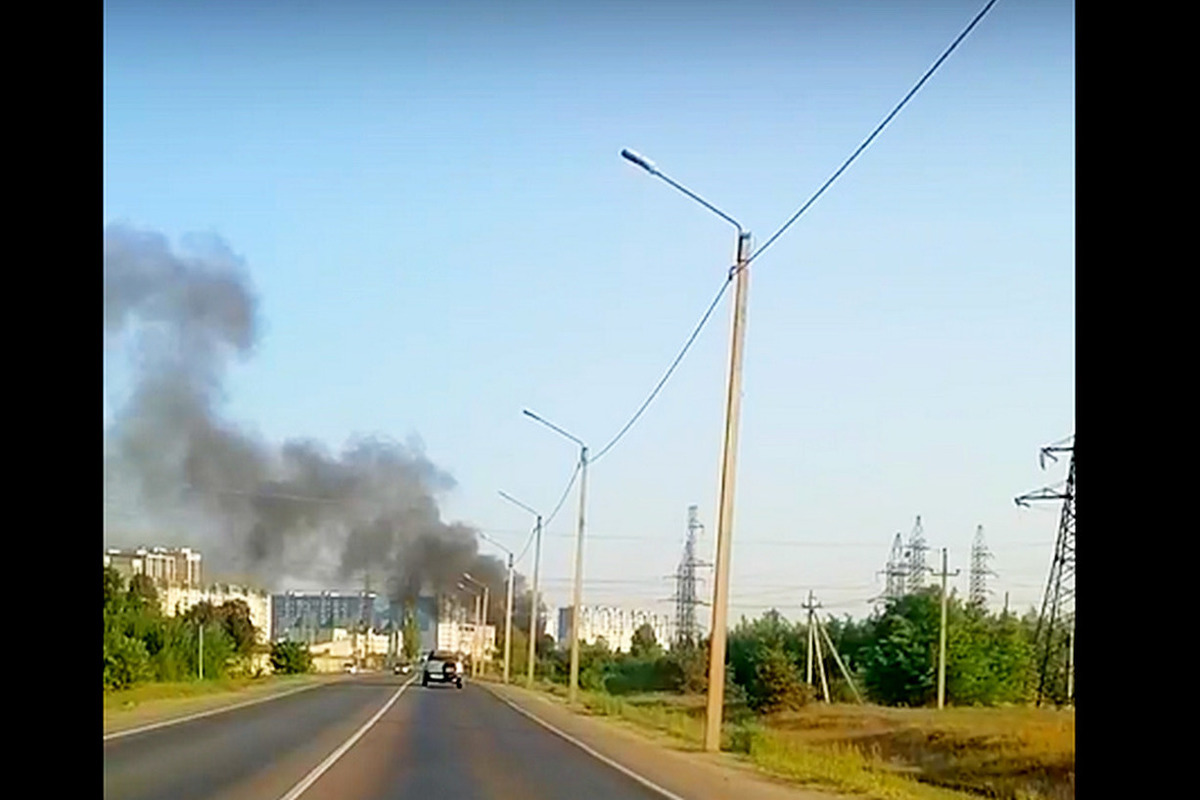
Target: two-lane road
x,y
436,742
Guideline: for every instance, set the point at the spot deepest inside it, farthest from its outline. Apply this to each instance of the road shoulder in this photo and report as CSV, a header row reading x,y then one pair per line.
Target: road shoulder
x,y
163,711
687,773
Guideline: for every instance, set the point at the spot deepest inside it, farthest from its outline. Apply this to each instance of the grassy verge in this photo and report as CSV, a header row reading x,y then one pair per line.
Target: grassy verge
x,y
884,753
163,700
1007,753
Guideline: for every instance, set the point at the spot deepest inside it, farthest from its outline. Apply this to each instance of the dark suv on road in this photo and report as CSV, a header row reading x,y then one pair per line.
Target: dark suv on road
x,y
442,666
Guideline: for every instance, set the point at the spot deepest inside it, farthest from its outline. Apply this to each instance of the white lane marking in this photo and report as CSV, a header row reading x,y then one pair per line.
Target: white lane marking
x,y
210,712
649,784
312,777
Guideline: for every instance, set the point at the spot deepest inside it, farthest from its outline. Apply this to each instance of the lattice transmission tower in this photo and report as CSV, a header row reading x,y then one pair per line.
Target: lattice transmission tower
x,y
978,593
896,570
687,631
916,557
1054,639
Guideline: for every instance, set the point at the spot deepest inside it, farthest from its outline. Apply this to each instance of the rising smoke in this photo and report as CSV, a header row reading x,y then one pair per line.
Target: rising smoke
x,y
295,512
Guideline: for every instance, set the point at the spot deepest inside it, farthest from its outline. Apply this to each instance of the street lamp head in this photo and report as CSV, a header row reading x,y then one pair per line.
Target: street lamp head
x,y
648,165
517,502
554,427
640,160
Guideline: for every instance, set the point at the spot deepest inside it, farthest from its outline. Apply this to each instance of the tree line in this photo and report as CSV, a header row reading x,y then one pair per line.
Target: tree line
x,y
141,643
891,657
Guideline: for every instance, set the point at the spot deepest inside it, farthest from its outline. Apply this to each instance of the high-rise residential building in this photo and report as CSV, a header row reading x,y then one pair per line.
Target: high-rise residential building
x,y
168,566
613,624
177,599
298,614
445,623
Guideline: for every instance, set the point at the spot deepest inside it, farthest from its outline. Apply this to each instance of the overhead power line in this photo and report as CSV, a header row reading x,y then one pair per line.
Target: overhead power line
x,y
671,369
546,522
730,275
776,542
558,506
878,129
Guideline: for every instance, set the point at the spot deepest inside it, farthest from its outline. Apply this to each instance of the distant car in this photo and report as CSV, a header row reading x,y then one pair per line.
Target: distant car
x,y
442,666
351,668
402,669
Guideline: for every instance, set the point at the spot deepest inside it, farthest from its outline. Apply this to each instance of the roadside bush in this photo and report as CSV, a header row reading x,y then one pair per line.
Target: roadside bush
x,y
630,675
685,669
290,658
633,675
740,738
593,678
777,685
595,662
735,693
126,662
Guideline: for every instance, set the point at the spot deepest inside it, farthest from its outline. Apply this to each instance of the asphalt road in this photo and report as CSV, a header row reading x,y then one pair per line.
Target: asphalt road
x,y
435,742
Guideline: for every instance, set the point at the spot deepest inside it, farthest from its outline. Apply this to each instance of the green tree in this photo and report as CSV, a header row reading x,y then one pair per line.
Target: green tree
x,y
176,654
290,658
204,612
126,662
748,638
235,619
852,640
686,668
519,655
899,667
777,685
595,662
220,646
114,591
142,595
988,658
644,643
411,633
218,650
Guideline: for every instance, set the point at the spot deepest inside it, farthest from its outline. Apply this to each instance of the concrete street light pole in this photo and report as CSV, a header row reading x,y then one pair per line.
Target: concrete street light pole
x,y
577,594
535,605
508,619
480,622
507,605
733,403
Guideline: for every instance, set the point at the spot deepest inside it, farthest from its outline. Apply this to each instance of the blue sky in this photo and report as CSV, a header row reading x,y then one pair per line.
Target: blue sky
x,y
433,210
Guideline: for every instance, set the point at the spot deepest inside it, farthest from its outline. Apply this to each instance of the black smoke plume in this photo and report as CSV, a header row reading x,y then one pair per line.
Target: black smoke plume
x,y
273,513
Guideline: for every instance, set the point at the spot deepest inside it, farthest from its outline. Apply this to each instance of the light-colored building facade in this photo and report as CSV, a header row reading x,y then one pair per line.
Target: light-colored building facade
x,y
445,623
461,637
178,599
179,566
334,648
613,624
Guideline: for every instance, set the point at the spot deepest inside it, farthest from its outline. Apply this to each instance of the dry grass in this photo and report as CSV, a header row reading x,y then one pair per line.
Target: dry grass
x,y
885,753
1006,753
